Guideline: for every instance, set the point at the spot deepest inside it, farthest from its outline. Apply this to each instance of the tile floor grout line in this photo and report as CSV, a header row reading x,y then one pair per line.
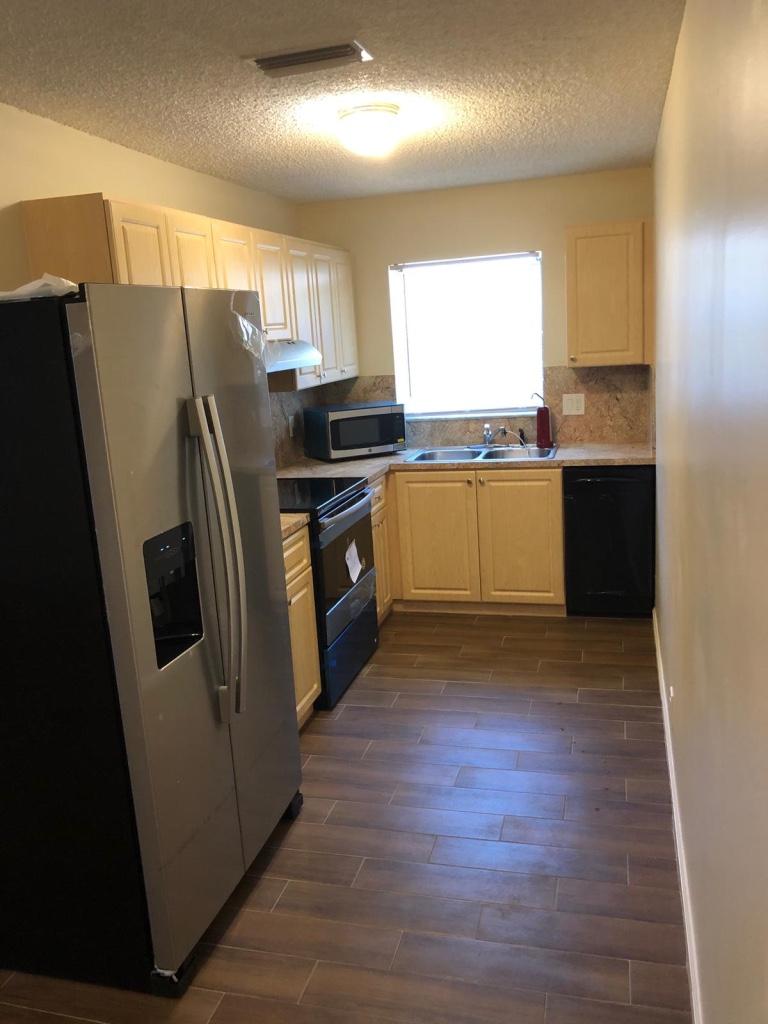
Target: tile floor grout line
x,y
57,1013
215,1009
305,986
278,897
397,950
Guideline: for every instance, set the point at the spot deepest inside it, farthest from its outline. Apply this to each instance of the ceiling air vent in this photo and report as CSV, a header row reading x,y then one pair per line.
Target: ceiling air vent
x,y
303,61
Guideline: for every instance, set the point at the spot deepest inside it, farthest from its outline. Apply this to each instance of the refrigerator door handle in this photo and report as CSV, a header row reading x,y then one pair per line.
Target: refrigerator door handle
x,y
234,525
199,427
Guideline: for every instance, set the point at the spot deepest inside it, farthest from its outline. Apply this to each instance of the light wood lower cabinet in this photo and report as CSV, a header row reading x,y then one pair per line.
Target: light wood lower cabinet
x,y
520,525
303,625
381,558
493,536
437,524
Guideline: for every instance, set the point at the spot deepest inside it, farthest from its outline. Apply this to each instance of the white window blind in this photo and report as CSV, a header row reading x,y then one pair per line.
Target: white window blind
x,y
468,333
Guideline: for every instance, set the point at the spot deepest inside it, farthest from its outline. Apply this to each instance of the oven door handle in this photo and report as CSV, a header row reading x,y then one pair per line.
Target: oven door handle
x,y
333,520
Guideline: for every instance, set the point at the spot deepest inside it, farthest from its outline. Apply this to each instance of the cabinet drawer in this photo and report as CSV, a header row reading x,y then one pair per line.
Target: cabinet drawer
x,y
296,554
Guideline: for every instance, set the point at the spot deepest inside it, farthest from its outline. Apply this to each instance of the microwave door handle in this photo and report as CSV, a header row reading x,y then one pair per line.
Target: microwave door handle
x,y
199,428
332,520
237,542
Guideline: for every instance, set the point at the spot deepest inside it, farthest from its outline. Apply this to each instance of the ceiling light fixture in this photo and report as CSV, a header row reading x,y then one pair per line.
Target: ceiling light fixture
x,y
371,129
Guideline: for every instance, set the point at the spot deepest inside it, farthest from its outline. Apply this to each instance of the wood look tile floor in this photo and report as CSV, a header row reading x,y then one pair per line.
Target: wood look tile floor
x,y
486,838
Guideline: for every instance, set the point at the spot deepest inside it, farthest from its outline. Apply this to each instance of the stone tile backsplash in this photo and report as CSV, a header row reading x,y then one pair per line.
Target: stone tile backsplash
x,y
618,403
285,404
618,410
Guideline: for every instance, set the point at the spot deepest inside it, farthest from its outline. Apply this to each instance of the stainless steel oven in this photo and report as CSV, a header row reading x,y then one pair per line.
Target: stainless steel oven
x,y
343,572
353,431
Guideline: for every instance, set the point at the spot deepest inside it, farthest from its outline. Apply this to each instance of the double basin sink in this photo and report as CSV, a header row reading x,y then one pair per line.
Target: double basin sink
x,y
484,453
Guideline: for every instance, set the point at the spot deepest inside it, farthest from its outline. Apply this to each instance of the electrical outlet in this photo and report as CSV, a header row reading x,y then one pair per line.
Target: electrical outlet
x,y
573,405
291,425
671,693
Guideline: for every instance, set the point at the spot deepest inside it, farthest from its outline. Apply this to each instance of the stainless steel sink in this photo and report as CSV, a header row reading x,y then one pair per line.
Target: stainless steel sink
x,y
518,453
445,455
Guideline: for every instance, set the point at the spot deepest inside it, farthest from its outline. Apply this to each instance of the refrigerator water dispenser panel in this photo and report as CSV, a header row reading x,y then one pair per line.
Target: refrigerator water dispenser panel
x,y
174,597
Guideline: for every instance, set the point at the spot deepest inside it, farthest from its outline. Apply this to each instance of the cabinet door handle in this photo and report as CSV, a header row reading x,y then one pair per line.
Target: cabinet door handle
x,y
482,480
573,359
469,481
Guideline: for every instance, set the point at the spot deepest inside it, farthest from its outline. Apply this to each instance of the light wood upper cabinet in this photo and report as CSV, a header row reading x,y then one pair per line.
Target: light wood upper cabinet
x,y
605,268
305,288
437,523
520,524
346,331
270,254
233,252
190,242
326,317
67,236
301,287
139,243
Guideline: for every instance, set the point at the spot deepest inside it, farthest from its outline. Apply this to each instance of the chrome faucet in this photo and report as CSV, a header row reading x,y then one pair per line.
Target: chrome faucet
x,y
489,434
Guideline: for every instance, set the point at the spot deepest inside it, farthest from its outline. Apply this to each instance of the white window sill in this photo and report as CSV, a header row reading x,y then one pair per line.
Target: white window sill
x,y
472,414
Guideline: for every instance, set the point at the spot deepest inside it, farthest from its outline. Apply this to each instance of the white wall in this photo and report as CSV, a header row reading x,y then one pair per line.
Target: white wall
x,y
712,435
447,223
40,158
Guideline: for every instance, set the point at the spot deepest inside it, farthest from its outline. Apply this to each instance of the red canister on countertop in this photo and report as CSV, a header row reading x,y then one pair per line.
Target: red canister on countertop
x,y
543,425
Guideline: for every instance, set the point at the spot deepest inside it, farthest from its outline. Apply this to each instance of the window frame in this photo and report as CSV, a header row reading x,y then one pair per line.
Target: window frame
x,y
401,347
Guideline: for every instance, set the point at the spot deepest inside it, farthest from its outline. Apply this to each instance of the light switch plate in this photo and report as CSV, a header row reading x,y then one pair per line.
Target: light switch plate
x,y
573,405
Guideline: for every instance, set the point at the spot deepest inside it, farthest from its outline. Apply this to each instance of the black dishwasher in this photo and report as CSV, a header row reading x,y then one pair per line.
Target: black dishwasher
x,y
610,539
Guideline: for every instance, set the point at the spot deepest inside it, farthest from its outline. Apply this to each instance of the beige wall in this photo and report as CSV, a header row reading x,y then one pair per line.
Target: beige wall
x,y
40,158
512,217
712,381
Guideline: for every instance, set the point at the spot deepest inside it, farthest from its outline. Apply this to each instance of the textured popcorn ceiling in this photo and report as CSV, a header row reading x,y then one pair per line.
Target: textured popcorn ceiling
x,y
531,87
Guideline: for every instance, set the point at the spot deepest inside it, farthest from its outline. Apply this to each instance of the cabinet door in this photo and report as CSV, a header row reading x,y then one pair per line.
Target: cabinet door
x,y
381,561
233,253
520,519
346,331
191,250
269,252
301,286
139,239
437,521
605,294
322,264
304,650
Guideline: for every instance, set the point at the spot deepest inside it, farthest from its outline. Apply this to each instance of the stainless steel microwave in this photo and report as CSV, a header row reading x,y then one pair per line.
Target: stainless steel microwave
x,y
353,431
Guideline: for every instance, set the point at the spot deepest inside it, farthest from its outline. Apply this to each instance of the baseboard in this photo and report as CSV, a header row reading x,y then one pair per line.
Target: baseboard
x,y
480,608
682,867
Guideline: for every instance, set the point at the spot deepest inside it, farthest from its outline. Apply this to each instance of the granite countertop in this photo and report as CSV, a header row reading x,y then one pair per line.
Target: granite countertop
x,y
292,522
568,455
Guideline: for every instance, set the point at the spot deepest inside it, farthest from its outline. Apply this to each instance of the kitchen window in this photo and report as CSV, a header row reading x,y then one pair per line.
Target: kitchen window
x,y
468,334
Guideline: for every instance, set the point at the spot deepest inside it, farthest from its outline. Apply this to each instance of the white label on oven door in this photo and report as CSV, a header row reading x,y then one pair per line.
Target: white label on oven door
x,y
353,562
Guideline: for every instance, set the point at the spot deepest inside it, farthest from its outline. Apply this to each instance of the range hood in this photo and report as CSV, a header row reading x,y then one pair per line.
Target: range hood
x,y
290,355
277,355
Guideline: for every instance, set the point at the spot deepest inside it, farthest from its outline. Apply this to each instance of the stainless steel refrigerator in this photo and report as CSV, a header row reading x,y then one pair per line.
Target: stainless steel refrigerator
x,y
148,734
